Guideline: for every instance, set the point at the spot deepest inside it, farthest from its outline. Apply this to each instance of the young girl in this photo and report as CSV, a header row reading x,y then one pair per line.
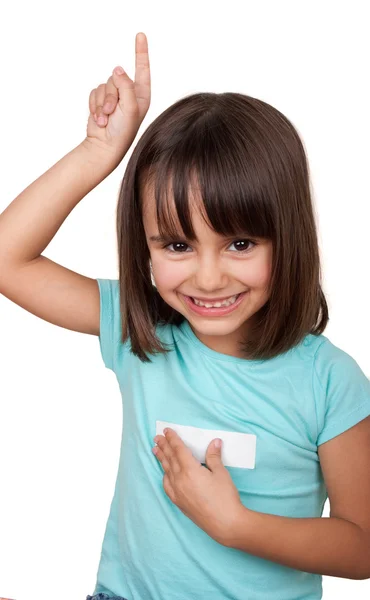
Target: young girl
x,y
214,330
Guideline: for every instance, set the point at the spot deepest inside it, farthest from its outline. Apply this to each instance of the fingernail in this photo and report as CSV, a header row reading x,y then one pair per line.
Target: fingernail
x,y
118,70
101,121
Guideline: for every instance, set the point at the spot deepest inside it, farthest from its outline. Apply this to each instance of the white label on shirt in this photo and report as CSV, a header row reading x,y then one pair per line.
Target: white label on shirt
x,y
238,449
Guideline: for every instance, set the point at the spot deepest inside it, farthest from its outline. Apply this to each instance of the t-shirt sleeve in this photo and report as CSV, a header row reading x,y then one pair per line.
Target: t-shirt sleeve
x,y
342,391
110,321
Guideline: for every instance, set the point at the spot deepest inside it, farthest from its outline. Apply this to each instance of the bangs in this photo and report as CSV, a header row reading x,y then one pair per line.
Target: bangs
x,y
229,181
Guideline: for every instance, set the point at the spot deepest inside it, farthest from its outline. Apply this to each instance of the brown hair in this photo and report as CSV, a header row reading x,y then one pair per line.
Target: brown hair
x,y
253,176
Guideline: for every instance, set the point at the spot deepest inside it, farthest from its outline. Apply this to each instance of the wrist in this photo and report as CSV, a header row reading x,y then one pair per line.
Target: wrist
x,y
239,523
101,155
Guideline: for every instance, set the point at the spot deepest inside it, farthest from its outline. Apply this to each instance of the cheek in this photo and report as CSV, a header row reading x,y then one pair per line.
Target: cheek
x,y
260,278
259,271
255,276
167,275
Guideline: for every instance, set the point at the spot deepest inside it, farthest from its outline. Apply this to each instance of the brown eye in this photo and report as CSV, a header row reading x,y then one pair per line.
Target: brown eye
x,y
176,245
243,249
241,245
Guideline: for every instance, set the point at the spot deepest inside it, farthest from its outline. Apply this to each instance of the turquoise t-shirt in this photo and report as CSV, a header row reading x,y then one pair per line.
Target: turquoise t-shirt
x,y
292,403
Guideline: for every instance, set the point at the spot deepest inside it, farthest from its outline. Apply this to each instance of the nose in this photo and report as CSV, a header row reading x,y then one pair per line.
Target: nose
x,y
209,275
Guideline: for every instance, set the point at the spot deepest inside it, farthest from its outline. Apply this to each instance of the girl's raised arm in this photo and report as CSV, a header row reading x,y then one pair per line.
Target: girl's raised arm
x,y
28,224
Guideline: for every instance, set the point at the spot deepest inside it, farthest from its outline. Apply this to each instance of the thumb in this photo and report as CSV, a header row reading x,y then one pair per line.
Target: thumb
x,y
126,92
213,455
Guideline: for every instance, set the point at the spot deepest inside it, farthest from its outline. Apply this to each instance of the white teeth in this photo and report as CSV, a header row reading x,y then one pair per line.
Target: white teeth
x,y
226,302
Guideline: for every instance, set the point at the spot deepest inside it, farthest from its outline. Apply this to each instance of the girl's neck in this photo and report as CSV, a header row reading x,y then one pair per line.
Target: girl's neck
x,y
225,344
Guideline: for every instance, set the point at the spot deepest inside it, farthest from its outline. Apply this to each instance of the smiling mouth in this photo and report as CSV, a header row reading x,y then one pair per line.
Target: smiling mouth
x,y
228,301
212,310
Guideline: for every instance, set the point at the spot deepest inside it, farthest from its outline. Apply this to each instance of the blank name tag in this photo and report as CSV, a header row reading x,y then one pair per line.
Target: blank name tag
x,y
238,449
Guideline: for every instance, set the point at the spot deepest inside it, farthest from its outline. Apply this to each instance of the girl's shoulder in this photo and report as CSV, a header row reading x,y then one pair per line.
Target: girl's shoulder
x,y
341,390
330,357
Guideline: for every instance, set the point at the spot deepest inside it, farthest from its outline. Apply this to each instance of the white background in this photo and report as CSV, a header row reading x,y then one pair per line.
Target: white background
x,y
60,409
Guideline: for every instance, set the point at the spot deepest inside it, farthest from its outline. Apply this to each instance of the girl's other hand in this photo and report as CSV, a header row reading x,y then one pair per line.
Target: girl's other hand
x,y
118,107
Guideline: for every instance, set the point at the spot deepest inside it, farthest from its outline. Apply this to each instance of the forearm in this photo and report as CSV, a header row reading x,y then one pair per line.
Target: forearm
x,y
30,222
326,545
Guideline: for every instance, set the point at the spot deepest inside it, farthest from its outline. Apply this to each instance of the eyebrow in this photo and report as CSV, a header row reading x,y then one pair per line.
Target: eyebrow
x,y
158,238
161,238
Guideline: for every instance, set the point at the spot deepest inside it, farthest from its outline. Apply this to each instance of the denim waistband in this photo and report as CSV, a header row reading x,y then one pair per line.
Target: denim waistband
x,y
102,596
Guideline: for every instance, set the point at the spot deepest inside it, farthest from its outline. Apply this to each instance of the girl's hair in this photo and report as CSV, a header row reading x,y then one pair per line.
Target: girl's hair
x,y
252,173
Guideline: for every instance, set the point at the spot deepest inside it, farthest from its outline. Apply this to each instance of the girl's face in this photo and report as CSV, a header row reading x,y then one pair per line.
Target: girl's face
x,y
215,268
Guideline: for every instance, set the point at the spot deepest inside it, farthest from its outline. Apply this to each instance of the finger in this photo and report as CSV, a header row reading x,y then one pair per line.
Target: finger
x,y
163,460
92,108
182,453
142,71
111,96
168,453
100,95
126,92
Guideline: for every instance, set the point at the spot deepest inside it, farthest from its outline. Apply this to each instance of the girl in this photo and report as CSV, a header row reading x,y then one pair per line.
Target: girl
x,y
214,330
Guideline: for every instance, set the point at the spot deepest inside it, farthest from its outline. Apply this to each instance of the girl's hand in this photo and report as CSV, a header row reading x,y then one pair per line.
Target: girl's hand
x,y
206,496
118,107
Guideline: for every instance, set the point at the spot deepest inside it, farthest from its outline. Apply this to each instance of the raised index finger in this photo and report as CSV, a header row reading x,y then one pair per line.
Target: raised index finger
x,y
142,71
